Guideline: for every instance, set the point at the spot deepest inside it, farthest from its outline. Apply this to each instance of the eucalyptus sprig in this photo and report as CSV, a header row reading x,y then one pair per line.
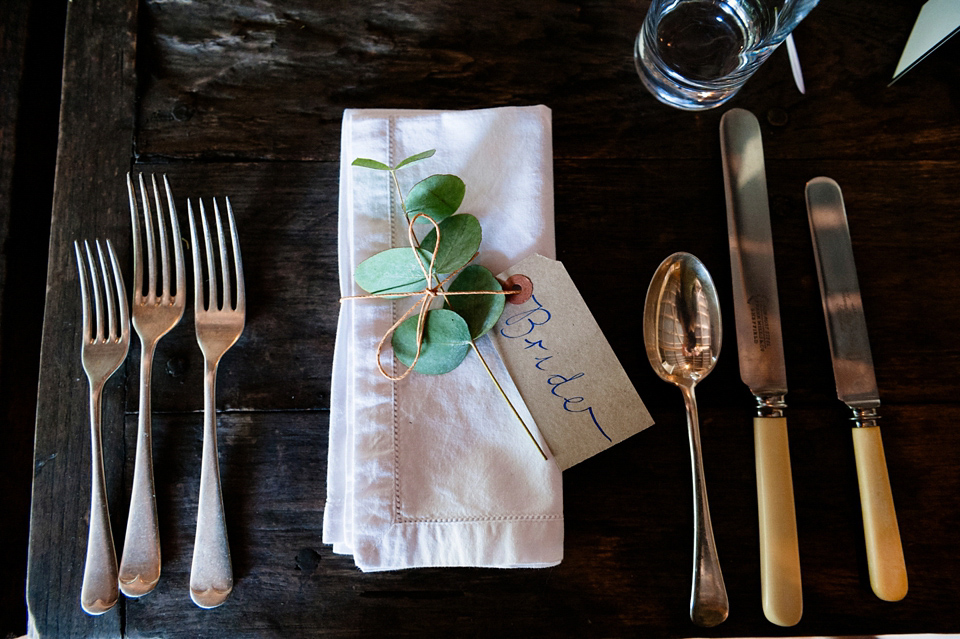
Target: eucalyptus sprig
x,y
437,340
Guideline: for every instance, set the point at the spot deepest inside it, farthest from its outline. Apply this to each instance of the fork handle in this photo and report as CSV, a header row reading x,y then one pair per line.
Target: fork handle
x,y
98,593
211,575
140,563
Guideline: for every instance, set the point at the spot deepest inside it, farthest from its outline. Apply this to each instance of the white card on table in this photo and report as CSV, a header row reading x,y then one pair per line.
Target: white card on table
x,y
938,21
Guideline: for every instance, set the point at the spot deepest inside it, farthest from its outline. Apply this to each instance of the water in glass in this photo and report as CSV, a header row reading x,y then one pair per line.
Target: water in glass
x,y
696,54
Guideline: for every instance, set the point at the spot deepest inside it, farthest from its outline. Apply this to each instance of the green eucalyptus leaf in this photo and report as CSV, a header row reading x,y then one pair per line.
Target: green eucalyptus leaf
x,y
446,341
438,196
460,237
416,158
481,312
370,164
395,270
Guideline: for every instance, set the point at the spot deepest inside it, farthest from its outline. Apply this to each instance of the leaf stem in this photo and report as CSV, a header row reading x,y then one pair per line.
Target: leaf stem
x,y
403,206
507,399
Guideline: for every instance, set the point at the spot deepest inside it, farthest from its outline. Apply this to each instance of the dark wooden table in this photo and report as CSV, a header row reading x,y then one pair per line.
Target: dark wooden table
x,y
245,98
31,54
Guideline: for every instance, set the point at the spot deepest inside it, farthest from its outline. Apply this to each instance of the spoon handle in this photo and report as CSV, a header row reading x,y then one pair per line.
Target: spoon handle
x,y
708,598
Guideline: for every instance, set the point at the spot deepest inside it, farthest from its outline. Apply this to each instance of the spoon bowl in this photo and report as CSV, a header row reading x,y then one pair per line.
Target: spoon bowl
x,y
682,332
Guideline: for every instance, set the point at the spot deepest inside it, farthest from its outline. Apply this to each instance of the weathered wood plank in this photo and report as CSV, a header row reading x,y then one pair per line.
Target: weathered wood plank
x,y
627,548
94,153
610,532
31,37
902,220
286,216
635,181
13,37
218,75
287,223
292,261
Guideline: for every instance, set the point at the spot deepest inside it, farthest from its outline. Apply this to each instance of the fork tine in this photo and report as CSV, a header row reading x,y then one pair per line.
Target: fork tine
x,y
195,249
84,295
151,249
211,270
224,269
109,299
164,257
95,286
237,261
177,244
121,293
137,248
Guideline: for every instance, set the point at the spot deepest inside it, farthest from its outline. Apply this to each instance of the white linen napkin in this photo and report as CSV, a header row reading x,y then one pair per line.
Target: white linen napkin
x,y
435,470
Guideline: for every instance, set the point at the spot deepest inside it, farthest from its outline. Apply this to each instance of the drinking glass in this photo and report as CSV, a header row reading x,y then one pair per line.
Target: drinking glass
x,y
696,54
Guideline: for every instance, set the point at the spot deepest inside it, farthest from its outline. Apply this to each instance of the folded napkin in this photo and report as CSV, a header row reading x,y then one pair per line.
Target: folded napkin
x,y
436,470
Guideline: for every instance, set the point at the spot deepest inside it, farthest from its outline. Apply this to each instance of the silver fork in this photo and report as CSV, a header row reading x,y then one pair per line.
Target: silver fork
x,y
153,317
218,328
103,349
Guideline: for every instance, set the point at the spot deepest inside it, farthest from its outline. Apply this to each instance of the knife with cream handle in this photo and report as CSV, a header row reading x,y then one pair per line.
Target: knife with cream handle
x,y
762,368
856,383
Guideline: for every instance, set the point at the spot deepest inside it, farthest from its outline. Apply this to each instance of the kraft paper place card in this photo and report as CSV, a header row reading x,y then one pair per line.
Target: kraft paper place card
x,y
567,373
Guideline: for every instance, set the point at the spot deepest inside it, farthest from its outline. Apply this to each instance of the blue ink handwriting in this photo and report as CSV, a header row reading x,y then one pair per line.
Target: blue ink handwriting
x,y
523,324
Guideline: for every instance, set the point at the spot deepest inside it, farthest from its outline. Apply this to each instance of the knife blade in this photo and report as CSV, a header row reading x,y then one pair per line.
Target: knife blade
x,y
762,366
856,383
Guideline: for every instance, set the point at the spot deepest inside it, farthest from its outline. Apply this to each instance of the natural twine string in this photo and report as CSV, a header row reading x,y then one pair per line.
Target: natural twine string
x,y
427,296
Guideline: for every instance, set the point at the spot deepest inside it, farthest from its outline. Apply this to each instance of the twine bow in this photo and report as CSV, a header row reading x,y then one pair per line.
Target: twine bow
x,y
427,295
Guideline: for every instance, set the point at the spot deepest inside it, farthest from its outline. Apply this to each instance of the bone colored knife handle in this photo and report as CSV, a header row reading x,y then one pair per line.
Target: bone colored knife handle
x,y
888,571
780,586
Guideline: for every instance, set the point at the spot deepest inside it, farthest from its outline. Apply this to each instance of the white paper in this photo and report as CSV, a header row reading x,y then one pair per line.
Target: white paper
x,y
938,21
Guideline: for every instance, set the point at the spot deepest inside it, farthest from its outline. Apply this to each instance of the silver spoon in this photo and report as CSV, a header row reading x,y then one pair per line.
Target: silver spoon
x,y
682,333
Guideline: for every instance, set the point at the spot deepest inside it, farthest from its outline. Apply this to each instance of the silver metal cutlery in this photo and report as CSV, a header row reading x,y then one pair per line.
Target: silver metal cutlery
x,y
157,306
682,332
104,346
219,323
762,367
856,383
154,314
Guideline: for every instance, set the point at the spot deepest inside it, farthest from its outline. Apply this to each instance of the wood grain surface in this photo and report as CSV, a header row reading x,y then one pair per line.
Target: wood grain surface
x,y
96,126
13,37
217,75
244,98
31,55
